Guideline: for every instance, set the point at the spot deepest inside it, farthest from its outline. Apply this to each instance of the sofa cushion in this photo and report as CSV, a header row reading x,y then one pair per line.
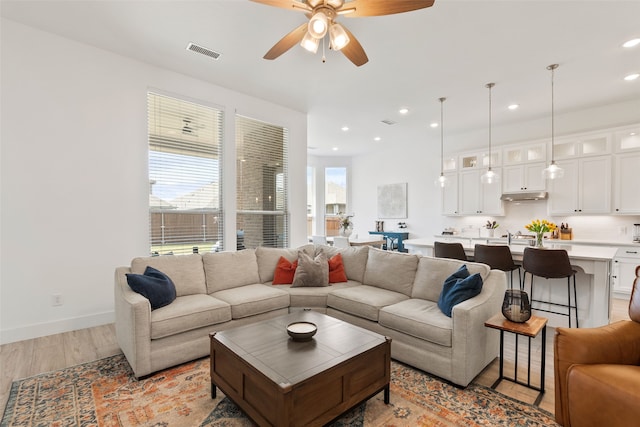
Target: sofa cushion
x,y
459,287
394,271
336,269
285,270
354,259
186,271
268,259
432,272
314,297
226,270
419,318
154,285
186,313
249,300
363,301
311,272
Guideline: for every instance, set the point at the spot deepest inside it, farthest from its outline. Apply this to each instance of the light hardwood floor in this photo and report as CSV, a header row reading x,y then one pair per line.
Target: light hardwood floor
x,y
31,357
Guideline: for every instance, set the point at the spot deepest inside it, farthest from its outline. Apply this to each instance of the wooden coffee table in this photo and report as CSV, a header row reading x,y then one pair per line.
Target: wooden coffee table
x,y
281,382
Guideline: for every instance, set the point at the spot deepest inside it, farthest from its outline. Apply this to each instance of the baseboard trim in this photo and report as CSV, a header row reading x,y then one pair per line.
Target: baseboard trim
x,y
56,327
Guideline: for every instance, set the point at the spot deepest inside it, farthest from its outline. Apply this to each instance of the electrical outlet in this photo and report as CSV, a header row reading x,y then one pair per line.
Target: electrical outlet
x,y
56,300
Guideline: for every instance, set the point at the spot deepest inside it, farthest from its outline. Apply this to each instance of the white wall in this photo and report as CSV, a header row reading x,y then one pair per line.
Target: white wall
x,y
74,174
418,164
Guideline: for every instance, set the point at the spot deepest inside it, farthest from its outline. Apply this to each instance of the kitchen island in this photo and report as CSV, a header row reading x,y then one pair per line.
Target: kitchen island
x,y
593,278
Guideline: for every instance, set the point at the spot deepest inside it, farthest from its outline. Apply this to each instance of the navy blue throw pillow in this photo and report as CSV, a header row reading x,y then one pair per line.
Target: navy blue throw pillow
x,y
154,285
458,287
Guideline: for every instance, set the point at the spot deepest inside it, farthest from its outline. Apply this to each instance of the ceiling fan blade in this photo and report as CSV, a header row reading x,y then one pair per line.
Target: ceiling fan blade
x,y
359,8
287,42
354,51
286,4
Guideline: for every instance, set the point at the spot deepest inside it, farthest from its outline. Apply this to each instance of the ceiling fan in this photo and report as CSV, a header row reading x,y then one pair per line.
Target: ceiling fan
x,y
322,16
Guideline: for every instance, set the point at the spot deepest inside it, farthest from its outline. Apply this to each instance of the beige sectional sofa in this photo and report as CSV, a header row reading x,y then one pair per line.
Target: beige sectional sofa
x,y
391,293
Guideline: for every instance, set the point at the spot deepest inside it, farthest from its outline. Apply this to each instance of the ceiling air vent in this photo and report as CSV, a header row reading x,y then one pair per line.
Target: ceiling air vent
x,y
203,50
388,122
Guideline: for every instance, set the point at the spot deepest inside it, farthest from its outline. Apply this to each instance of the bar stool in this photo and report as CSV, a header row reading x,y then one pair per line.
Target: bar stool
x,y
498,257
551,264
449,250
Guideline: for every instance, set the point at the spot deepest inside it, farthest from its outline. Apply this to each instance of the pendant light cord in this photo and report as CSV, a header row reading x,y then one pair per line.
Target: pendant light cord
x,y
490,85
442,135
552,67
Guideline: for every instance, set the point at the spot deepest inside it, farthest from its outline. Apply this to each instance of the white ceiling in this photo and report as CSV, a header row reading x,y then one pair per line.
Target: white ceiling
x,y
451,49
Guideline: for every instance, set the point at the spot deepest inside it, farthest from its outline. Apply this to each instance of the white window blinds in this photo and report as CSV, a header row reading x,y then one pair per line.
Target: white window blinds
x,y
185,179
261,184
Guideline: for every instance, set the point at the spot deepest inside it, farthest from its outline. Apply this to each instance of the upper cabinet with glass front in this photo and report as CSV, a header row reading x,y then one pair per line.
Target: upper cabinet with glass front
x,y
479,160
627,139
591,144
522,154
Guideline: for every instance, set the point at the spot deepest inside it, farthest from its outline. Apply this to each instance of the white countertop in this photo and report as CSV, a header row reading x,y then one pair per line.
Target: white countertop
x,y
575,251
589,242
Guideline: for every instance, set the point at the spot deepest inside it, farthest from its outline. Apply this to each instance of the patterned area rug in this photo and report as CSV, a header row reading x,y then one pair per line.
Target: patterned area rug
x,y
105,393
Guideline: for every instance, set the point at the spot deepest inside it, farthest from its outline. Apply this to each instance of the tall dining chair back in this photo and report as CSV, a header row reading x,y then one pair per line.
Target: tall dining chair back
x,y
449,250
498,257
319,240
551,264
341,242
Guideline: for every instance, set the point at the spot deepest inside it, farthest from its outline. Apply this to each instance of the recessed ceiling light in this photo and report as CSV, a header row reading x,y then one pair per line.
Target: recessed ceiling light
x,y
403,111
632,134
631,43
345,128
377,138
434,125
513,107
335,148
632,77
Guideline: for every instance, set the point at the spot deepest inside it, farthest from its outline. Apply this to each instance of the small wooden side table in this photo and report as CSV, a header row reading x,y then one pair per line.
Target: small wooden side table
x,y
531,328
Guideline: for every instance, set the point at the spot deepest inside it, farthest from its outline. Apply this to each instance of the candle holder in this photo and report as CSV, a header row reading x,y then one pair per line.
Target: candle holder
x,y
516,306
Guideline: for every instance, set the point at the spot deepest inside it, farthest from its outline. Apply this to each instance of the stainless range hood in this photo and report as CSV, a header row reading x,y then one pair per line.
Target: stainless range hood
x,y
519,197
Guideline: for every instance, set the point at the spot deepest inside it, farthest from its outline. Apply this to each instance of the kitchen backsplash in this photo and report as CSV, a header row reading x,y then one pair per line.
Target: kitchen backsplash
x,y
609,228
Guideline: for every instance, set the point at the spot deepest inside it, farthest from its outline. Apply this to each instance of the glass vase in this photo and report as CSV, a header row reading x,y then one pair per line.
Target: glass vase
x,y
346,232
516,306
539,243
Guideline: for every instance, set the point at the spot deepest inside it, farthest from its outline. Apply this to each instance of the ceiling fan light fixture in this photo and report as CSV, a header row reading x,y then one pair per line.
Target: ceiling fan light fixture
x,y
318,24
339,37
310,43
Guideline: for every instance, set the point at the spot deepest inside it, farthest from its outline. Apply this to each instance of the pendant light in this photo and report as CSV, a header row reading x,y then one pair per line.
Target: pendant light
x,y
489,177
553,171
442,180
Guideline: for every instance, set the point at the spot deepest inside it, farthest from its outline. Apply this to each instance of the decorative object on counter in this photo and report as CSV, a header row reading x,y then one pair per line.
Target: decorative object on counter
x,y
489,177
346,225
566,233
379,225
402,225
553,171
516,306
491,226
442,180
540,227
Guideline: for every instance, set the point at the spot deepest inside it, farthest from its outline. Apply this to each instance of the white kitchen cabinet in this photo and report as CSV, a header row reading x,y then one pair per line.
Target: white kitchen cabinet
x,y
450,195
626,196
584,189
476,198
527,177
591,144
527,153
624,269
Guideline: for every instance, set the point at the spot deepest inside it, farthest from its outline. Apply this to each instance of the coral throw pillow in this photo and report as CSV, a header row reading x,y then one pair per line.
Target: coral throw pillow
x,y
285,270
336,269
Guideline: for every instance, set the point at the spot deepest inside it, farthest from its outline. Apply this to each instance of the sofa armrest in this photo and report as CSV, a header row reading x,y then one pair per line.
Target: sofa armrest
x,y
133,324
474,345
617,343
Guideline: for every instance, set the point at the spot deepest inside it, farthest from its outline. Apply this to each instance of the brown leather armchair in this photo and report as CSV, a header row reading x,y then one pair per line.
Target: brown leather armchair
x,y
597,371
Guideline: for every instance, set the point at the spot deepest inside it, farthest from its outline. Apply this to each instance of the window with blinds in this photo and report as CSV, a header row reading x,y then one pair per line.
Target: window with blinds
x,y
261,184
185,176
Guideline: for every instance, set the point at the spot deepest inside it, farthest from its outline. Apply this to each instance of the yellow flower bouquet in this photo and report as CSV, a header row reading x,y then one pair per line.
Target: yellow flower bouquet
x,y
540,227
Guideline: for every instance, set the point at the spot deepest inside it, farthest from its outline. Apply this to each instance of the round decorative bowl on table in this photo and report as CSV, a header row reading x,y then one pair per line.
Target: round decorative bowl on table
x,y
302,331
